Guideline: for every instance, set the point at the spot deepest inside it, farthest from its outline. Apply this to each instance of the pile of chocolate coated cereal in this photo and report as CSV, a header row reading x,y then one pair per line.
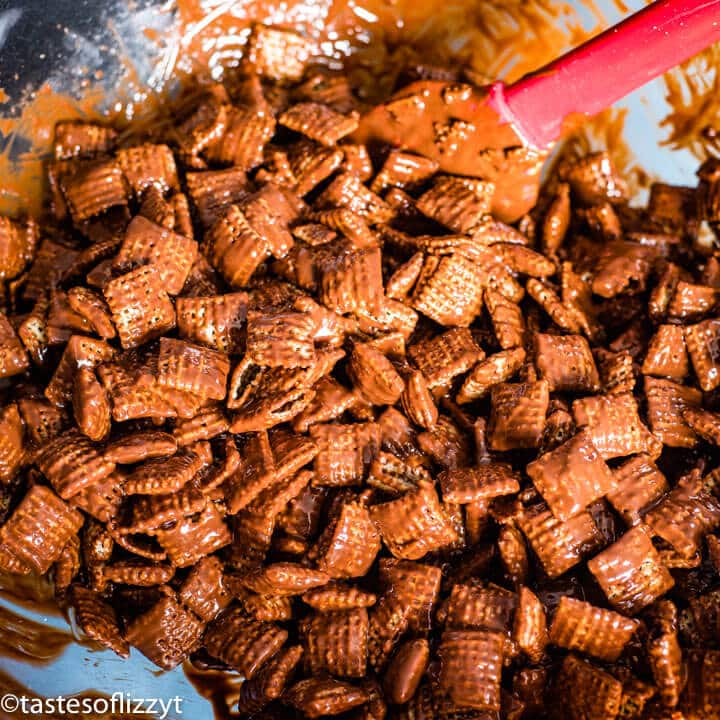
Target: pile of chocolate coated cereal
x,y
282,405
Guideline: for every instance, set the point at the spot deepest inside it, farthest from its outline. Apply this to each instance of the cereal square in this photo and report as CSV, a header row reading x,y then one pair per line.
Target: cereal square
x,y
215,321
348,546
458,203
204,591
684,516
212,191
559,545
572,476
319,122
703,344
71,463
485,481
234,248
614,425
192,538
93,187
140,306
38,530
147,243
578,625
667,354
337,642
639,484
414,524
146,165
450,290
193,368
243,643
284,339
167,633
666,403
630,572
12,442
587,691
444,356
345,452
13,356
566,362
517,419
471,668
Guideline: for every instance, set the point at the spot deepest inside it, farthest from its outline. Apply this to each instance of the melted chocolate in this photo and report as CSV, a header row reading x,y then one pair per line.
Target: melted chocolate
x,y
30,641
454,124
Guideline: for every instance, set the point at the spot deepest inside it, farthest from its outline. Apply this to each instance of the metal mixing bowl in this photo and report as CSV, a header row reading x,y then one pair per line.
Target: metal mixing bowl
x,y
67,43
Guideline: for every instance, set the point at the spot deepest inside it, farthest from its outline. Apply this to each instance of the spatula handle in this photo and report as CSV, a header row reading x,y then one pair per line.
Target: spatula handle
x,y
593,76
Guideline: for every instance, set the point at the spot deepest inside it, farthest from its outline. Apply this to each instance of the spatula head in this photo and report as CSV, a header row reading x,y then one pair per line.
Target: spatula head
x,y
459,126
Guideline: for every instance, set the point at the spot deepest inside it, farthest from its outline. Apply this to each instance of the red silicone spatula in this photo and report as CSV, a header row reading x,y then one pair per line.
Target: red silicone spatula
x,y
502,132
